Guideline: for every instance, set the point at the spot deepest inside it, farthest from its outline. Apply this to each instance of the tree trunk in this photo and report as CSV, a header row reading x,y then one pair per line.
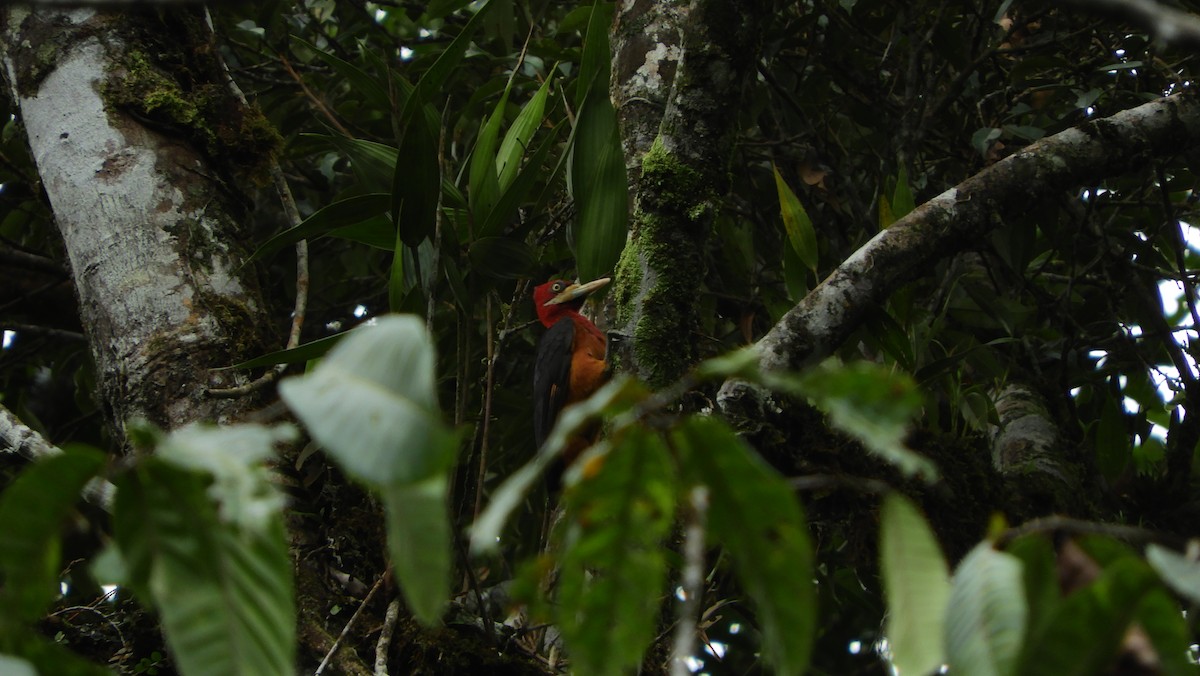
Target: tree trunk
x,y
132,125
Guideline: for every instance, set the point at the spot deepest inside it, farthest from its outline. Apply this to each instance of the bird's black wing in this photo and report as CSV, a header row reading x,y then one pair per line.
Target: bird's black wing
x,y
551,377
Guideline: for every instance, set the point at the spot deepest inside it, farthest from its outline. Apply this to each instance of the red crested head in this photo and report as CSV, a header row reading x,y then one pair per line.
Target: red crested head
x,y
559,298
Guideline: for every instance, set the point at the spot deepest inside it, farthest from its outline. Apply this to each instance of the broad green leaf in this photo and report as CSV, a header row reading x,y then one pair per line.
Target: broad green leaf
x,y
32,510
916,583
600,187
796,222
418,528
1160,617
296,355
617,395
416,180
886,217
754,514
501,257
988,614
15,666
902,197
1179,572
742,363
516,140
372,406
1082,634
327,219
234,456
223,593
619,508
866,401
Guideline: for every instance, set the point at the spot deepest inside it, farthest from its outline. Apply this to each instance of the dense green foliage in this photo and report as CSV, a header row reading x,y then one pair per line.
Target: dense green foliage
x,y
447,156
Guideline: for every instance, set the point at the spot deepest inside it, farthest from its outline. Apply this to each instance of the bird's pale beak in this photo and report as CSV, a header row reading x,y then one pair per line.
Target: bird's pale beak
x,y
577,291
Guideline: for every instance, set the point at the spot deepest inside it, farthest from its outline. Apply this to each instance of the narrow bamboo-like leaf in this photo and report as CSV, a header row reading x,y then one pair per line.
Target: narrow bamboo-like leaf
x,y
501,257
360,81
916,582
619,510
374,164
372,405
32,510
296,355
418,528
796,222
867,401
600,187
516,140
886,217
223,592
988,614
484,187
902,197
327,219
396,274
755,515
433,78
416,179
1179,572
594,65
518,191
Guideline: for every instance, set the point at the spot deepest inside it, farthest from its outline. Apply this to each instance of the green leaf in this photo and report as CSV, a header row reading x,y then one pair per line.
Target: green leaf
x,y
516,140
372,405
360,81
866,401
33,509
234,456
595,63
501,257
1179,572
796,222
619,509
1112,440
15,666
296,355
1082,634
447,62
916,583
374,164
600,187
617,395
484,187
327,219
515,195
416,180
987,617
418,529
396,286
224,593
902,197
756,517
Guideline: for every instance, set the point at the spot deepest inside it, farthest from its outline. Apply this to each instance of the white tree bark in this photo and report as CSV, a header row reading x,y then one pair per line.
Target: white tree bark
x,y
149,232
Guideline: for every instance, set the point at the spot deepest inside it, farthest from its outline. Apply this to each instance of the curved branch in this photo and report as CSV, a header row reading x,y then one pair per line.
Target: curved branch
x,y
1098,149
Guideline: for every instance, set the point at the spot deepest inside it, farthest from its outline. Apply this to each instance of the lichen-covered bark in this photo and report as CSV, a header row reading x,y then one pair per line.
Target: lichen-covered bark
x,y
1027,448
115,105
1112,146
684,171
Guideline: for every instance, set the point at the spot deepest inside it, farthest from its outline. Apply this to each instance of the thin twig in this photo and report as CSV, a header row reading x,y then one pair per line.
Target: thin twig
x,y
346,629
384,644
288,201
43,331
692,583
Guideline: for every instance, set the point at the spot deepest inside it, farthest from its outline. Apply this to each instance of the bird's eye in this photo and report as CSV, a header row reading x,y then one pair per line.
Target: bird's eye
x,y
558,287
